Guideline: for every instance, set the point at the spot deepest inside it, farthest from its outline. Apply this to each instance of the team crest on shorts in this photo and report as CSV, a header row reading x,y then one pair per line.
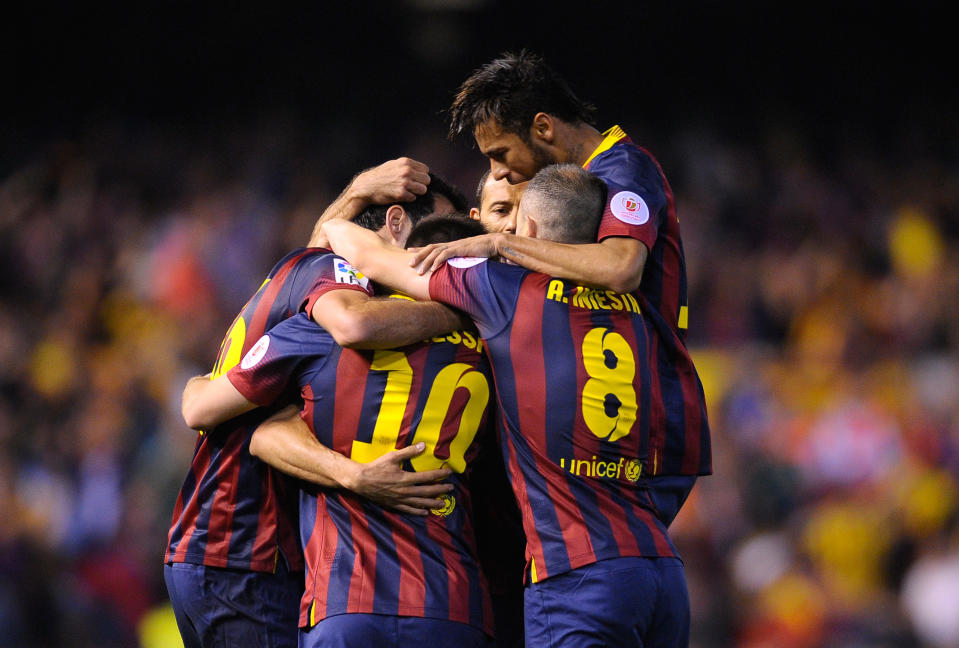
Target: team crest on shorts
x,y
628,207
256,353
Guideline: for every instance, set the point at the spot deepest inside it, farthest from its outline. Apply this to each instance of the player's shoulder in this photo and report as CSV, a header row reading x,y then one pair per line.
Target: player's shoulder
x,y
625,163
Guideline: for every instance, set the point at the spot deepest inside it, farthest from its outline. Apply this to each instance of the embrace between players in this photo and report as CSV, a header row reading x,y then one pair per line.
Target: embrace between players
x,y
502,472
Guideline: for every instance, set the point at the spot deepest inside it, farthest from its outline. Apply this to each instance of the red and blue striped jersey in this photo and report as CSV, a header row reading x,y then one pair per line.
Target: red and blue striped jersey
x,y
573,394
640,205
360,557
234,510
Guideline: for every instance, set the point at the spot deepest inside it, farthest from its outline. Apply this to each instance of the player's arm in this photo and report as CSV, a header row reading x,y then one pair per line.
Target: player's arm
x,y
286,442
377,259
400,180
207,403
358,321
616,263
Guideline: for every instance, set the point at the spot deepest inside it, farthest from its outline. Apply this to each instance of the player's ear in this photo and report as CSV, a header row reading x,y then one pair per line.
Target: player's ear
x,y
398,225
474,213
542,127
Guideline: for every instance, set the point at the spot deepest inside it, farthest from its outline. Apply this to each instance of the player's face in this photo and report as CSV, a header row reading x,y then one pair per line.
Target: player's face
x,y
499,205
510,156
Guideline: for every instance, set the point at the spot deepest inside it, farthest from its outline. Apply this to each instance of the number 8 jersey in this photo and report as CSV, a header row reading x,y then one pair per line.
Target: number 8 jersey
x,y
361,558
574,396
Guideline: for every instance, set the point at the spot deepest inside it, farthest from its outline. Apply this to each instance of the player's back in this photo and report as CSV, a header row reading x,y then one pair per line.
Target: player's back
x,y
360,557
574,391
233,510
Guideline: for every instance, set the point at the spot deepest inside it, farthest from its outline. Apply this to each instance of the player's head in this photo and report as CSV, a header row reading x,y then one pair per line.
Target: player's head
x,y
394,222
563,203
497,202
443,228
510,105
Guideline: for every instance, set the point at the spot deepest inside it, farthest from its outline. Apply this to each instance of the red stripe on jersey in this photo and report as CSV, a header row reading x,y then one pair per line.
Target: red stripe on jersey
x,y
527,329
352,372
360,601
694,420
669,294
657,418
456,578
412,590
319,551
192,508
534,548
220,528
258,323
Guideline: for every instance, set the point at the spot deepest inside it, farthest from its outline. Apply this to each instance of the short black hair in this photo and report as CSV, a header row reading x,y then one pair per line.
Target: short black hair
x,y
510,90
440,187
443,228
568,201
374,216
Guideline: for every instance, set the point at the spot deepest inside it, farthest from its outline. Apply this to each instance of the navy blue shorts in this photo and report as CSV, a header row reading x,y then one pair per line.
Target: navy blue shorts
x,y
621,602
217,607
386,631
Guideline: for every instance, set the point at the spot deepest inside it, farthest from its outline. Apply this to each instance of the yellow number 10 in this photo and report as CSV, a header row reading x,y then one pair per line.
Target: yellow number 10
x,y
389,420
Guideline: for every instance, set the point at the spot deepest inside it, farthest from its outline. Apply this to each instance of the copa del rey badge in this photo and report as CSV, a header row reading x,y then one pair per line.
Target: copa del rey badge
x,y
629,208
256,353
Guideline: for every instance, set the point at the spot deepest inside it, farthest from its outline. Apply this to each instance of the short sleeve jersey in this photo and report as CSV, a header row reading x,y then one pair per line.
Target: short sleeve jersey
x,y
234,510
360,557
573,392
640,205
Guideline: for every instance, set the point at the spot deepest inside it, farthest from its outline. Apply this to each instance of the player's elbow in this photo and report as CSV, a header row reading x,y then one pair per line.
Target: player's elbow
x,y
196,416
349,329
258,444
623,284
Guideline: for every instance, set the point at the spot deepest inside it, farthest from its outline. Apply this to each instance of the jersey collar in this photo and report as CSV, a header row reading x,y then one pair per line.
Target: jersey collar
x,y
610,137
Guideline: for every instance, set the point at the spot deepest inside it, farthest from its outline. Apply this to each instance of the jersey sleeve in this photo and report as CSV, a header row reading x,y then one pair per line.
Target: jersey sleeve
x,y
319,275
636,195
271,365
480,288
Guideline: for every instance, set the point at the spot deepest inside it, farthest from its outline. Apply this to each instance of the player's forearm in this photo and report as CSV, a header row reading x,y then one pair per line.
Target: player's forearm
x,y
289,446
615,264
347,206
389,323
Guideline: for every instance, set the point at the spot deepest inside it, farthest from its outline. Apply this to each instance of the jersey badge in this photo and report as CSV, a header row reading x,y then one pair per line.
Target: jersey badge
x,y
449,503
256,353
465,262
343,272
629,208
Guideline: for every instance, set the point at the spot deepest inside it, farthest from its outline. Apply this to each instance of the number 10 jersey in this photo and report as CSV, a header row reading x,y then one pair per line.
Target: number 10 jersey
x,y
361,558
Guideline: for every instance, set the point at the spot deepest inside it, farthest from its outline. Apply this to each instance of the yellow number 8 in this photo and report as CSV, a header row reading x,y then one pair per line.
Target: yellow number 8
x,y
609,399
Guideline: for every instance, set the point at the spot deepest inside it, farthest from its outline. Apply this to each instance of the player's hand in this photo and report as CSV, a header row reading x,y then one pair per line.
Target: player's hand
x,y
430,257
399,180
384,482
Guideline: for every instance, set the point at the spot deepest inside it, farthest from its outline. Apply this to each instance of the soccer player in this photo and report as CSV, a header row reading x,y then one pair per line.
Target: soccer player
x,y
574,395
375,577
497,202
524,116
233,566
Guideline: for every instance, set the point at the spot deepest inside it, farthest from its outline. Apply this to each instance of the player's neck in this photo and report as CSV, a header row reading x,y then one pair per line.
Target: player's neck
x,y
582,141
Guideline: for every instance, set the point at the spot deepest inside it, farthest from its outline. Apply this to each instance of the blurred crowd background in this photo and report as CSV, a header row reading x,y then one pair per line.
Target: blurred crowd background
x,y
147,184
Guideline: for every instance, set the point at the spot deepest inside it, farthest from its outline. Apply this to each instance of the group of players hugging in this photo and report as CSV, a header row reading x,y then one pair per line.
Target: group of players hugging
x,y
449,427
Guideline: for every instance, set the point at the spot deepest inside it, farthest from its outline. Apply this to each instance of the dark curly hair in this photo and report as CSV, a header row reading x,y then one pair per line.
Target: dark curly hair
x,y
510,90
